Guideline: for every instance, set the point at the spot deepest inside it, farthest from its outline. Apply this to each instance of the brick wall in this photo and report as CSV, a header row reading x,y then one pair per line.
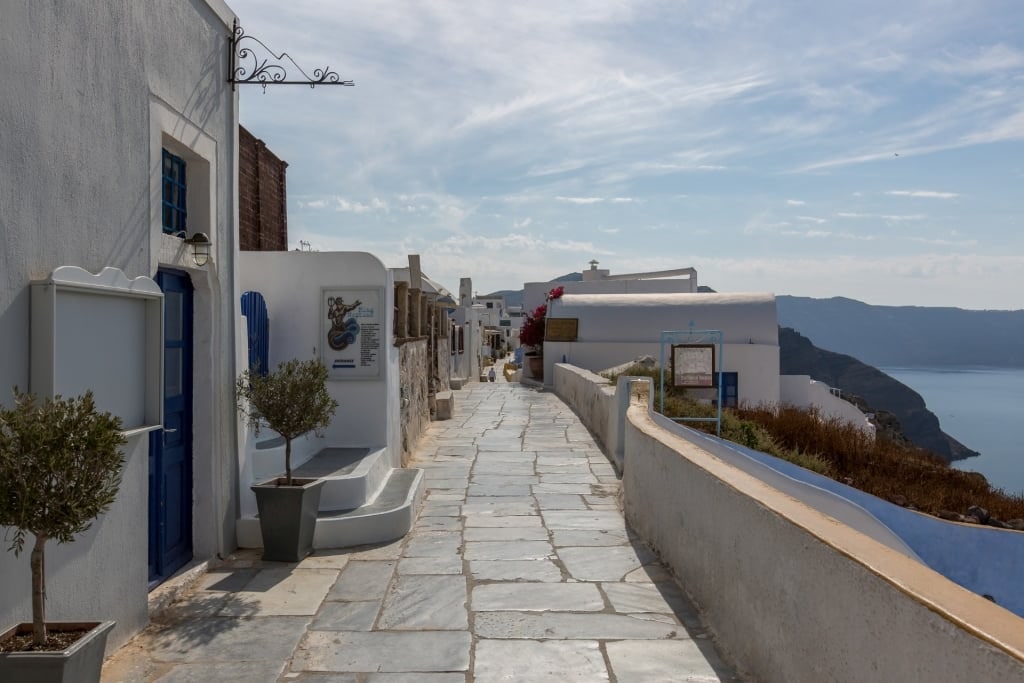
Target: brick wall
x,y
262,208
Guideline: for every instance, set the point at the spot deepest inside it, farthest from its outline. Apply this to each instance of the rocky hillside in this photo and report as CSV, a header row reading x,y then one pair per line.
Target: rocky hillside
x,y
908,336
874,390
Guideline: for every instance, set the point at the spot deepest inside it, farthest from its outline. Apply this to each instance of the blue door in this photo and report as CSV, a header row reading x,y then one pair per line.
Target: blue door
x,y
170,449
730,389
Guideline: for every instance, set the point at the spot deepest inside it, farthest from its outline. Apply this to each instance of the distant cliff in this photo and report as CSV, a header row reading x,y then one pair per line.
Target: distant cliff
x,y
908,336
879,391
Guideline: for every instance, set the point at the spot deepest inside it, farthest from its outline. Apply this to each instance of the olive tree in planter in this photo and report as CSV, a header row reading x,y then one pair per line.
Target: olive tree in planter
x,y
292,400
60,464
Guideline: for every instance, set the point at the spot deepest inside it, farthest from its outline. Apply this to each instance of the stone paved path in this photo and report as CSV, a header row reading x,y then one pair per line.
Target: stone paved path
x,y
520,568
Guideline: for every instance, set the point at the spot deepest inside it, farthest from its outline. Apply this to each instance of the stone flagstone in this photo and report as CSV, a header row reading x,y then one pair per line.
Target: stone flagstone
x,y
519,567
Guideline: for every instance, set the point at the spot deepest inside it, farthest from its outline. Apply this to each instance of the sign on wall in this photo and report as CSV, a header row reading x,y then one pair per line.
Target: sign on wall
x,y
352,328
561,329
693,365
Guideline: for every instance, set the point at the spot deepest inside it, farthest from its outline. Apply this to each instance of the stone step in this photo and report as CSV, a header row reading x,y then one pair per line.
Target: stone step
x,y
389,516
353,475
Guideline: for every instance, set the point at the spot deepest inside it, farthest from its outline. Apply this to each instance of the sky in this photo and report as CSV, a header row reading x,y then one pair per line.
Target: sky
x,y
873,150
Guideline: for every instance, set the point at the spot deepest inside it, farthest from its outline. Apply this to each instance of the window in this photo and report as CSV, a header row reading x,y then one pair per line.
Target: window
x,y
490,304
174,199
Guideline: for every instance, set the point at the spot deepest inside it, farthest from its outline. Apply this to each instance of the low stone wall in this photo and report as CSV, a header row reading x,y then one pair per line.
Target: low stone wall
x,y
600,405
791,593
591,396
413,369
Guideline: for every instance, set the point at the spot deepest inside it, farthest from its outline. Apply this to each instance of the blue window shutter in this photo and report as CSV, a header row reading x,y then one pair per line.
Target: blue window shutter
x,y
173,194
254,308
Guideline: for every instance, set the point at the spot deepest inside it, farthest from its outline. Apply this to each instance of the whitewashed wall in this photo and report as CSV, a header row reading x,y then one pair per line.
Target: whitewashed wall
x,y
794,595
803,392
93,92
757,365
535,292
291,282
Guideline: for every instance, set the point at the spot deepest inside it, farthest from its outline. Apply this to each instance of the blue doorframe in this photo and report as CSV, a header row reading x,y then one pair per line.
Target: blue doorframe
x,y
170,449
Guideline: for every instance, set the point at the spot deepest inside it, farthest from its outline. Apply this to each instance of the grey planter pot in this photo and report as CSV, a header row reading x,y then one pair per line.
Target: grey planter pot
x,y
80,663
287,517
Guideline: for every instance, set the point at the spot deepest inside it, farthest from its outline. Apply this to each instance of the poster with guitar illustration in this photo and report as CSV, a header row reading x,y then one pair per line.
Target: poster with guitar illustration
x,y
352,328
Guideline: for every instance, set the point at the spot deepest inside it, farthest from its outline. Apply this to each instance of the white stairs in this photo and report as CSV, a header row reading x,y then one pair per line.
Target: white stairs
x,y
363,499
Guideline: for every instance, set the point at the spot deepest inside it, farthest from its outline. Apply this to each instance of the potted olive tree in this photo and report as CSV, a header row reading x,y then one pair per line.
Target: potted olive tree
x,y
60,468
292,400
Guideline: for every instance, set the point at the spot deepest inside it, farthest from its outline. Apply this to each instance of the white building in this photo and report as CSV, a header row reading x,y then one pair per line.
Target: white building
x,y
119,138
601,281
622,317
616,328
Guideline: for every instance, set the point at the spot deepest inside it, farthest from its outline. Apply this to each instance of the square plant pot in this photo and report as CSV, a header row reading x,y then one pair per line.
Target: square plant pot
x,y
287,517
80,663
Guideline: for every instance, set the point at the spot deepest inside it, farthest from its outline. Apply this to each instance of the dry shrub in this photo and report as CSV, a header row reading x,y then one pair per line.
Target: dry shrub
x,y
842,451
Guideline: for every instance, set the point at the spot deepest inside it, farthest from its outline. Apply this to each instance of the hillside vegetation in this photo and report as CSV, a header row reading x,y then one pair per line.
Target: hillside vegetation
x,y
903,474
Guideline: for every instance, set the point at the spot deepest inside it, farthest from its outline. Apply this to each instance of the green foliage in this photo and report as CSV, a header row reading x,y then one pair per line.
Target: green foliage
x,y
60,464
292,400
60,468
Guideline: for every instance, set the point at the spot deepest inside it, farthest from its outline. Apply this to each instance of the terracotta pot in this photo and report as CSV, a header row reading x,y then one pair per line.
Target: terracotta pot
x,y
536,366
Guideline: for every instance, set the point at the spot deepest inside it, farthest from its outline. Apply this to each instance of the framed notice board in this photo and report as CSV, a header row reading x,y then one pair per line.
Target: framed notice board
x,y
561,329
693,365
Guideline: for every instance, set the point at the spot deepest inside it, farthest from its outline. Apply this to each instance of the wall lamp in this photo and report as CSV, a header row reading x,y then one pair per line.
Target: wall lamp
x,y
200,244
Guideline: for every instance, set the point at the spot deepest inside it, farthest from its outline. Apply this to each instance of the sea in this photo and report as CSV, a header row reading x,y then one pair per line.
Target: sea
x,y
982,408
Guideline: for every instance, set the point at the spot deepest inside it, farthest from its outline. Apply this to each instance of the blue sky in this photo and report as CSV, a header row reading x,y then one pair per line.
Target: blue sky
x,y
871,149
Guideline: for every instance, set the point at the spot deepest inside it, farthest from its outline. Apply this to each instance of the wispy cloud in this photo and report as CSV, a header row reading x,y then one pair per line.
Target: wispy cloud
x,y
581,200
595,200
929,194
901,218
941,242
982,60
528,125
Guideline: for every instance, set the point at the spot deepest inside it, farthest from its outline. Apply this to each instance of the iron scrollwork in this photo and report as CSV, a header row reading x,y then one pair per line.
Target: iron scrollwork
x,y
251,61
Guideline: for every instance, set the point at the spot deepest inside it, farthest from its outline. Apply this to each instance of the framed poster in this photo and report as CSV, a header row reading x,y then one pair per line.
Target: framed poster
x,y
693,365
352,327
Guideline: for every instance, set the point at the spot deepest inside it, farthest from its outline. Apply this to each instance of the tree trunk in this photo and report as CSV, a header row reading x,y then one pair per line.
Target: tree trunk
x,y
288,461
38,591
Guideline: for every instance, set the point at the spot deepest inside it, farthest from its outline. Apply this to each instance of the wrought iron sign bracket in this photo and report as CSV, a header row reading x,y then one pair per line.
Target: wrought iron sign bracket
x,y
250,61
